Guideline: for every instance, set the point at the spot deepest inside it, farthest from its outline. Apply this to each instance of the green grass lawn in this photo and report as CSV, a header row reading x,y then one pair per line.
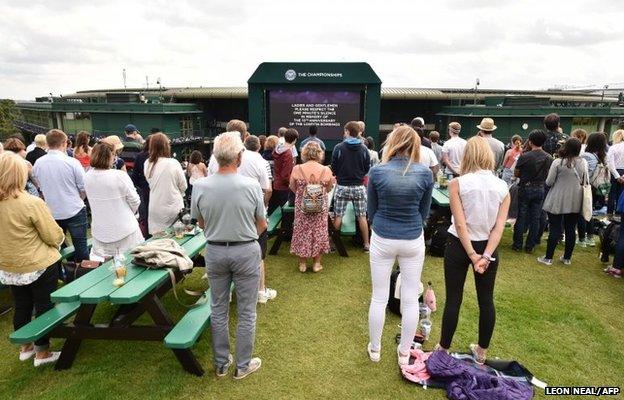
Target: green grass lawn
x,y
563,323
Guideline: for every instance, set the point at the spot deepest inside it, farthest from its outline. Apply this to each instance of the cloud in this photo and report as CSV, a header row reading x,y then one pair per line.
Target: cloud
x,y
85,45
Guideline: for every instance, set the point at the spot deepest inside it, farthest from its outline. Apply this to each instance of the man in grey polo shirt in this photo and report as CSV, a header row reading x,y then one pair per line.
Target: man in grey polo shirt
x,y
230,209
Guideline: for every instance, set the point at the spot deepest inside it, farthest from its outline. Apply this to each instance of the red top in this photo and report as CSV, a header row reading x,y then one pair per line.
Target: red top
x,y
284,164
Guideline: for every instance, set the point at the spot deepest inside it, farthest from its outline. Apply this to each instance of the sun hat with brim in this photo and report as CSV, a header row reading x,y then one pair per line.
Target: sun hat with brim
x,y
114,141
487,125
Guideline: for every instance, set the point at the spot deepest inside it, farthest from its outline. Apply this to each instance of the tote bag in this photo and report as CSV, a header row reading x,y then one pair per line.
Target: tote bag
x,y
587,208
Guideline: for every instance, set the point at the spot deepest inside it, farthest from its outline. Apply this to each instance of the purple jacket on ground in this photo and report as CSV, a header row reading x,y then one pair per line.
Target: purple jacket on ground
x,y
466,382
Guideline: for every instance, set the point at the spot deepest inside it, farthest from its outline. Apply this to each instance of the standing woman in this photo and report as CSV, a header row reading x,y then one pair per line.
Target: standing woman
x,y
82,151
581,135
479,204
510,159
564,200
595,154
114,201
196,167
310,237
615,161
167,184
32,272
399,197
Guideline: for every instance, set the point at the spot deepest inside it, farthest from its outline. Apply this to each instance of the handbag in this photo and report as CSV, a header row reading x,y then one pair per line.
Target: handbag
x,y
587,208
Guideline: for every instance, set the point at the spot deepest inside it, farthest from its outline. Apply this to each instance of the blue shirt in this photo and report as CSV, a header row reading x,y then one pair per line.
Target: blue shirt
x,y
398,202
61,179
312,139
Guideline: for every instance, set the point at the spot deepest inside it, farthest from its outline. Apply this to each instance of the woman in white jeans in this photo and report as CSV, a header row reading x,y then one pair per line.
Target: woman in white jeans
x,y
399,197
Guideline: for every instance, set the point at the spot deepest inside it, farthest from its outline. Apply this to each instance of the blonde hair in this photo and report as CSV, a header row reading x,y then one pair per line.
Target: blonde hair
x,y
271,142
580,134
40,140
618,136
403,141
477,156
13,175
312,152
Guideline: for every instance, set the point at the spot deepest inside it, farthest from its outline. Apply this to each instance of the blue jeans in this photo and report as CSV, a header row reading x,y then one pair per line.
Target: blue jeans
x,y
614,194
618,261
530,200
77,227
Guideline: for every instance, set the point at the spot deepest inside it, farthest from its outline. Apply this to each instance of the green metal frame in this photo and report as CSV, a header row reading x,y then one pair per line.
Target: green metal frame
x,y
321,76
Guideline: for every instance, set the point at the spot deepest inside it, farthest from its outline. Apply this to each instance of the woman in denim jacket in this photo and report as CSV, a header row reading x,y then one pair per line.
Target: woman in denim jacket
x,y
399,197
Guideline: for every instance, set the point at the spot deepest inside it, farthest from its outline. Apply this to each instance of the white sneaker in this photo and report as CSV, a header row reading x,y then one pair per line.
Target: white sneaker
x,y
54,356
26,355
544,260
270,293
374,356
403,360
565,261
223,370
253,366
262,298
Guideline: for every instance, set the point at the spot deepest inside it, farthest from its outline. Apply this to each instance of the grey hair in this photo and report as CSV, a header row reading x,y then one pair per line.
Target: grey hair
x,y
252,143
227,147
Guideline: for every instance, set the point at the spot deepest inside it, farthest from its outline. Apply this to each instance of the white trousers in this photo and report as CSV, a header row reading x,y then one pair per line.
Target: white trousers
x,y
411,255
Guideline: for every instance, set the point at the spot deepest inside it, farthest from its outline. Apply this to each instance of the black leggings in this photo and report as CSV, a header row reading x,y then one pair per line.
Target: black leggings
x,y
35,295
456,264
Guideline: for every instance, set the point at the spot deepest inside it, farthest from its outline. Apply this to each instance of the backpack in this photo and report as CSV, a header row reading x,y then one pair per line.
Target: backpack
x,y
314,195
608,240
601,180
552,143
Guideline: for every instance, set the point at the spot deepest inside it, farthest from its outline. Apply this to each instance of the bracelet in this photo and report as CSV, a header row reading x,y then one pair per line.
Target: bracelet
x,y
488,257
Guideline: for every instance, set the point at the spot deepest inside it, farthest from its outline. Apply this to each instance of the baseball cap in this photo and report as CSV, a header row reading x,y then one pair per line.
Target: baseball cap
x,y
130,128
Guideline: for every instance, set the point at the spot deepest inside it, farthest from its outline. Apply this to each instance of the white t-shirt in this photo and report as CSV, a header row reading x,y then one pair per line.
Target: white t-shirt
x,y
481,195
252,166
427,157
454,149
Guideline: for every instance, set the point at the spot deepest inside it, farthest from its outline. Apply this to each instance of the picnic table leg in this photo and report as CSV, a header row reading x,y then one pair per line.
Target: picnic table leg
x,y
72,345
337,239
159,314
277,243
126,314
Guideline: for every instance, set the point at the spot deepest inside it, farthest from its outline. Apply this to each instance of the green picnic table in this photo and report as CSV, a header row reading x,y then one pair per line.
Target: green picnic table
x,y
141,294
440,197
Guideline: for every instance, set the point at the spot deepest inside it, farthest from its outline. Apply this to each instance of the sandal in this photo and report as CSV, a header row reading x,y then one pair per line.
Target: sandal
x,y
479,358
303,268
317,267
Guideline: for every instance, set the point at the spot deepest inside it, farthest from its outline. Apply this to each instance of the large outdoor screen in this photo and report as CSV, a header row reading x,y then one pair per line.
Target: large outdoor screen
x,y
328,110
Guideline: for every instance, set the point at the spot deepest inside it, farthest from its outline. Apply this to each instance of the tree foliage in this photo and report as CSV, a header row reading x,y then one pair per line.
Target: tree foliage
x,y
8,113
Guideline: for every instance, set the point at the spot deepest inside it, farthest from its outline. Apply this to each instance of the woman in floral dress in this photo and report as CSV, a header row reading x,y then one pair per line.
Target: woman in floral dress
x,y
310,235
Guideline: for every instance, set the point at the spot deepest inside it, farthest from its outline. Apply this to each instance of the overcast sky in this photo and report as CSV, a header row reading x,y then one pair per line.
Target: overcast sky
x,y
65,46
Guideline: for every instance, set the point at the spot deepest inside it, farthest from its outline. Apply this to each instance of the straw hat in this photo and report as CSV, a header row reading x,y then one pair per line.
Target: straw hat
x,y
487,125
114,141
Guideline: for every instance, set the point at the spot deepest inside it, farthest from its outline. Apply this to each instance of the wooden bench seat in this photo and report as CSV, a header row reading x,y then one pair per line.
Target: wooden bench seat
x,y
42,325
189,328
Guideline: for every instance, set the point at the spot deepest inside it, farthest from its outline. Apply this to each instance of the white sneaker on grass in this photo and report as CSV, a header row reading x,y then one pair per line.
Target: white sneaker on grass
x,y
54,356
266,295
565,261
224,369
26,355
374,356
403,359
544,260
253,366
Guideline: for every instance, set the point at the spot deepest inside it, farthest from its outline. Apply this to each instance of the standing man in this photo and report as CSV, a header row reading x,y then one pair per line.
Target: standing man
x,y
532,168
253,166
486,129
434,136
554,138
350,164
418,124
230,209
40,150
133,134
61,180
453,150
312,138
